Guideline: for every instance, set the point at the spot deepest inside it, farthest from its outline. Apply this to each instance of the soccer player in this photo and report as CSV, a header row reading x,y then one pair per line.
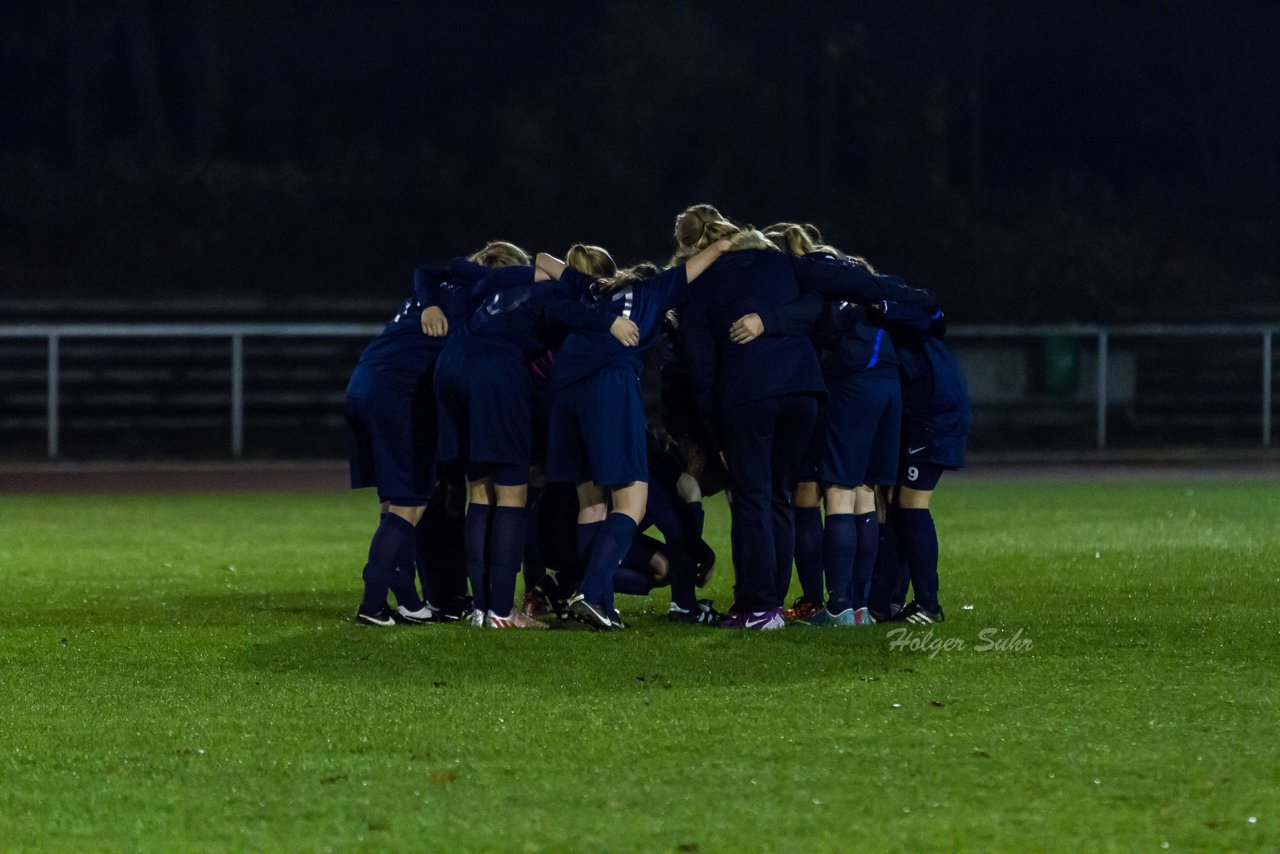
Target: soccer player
x,y
483,390
935,430
390,415
597,430
761,395
857,447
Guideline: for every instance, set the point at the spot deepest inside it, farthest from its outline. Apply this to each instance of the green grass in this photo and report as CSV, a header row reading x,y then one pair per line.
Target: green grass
x,y
180,672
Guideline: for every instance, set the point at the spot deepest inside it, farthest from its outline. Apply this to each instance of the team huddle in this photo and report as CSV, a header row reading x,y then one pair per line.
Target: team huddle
x,y
542,415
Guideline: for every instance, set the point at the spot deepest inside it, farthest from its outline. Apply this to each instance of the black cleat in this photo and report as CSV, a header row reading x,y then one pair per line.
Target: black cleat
x,y
704,614
384,616
915,613
584,612
455,610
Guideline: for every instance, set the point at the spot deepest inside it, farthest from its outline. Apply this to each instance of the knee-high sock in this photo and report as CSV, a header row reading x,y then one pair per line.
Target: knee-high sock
x,y
919,544
507,534
864,559
535,558
611,544
392,555
587,533
477,537
809,552
435,554
888,565
839,546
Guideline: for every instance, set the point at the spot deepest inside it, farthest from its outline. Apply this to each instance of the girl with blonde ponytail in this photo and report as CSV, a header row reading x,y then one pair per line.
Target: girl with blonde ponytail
x,y
485,421
760,399
596,437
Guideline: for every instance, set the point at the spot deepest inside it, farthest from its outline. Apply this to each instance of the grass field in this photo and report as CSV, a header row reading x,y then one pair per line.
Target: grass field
x,y
180,672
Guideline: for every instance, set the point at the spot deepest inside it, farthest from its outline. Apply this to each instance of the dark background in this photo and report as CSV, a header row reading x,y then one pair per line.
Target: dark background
x,y
1031,161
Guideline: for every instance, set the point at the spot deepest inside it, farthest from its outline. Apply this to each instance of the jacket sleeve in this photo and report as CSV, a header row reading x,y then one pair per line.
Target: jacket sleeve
x,y
426,285
839,278
561,308
794,318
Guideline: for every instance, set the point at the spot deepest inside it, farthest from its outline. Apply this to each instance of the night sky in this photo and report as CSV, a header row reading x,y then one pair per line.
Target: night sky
x,y
1028,160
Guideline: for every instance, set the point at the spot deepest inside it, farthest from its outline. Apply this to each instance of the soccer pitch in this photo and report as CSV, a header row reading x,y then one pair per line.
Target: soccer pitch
x,y
181,672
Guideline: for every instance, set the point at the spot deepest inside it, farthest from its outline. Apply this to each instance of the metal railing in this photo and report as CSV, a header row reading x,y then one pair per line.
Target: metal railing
x,y
236,333
1104,336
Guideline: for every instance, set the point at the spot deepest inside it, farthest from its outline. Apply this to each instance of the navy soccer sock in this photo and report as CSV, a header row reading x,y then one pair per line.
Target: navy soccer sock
x,y
884,577
506,547
809,549
587,532
392,554
839,545
919,544
864,560
610,546
375,590
433,547
535,558
476,533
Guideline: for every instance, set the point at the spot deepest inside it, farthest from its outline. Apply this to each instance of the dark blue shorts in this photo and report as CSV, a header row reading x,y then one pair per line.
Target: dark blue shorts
x,y
483,399
923,476
923,445
863,424
597,431
391,438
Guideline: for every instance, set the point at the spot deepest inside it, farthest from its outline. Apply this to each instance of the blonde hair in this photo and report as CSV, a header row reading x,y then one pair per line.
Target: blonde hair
x,y
804,238
595,261
628,276
500,253
699,226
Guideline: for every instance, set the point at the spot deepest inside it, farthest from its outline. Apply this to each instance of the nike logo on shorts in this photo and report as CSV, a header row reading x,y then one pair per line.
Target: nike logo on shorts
x,y
916,450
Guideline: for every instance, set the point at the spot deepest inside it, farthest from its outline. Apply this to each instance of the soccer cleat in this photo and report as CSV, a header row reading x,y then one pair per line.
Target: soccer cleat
x,y
884,616
759,621
593,615
801,609
854,617
384,616
616,620
703,614
916,613
474,618
425,614
517,619
824,618
455,610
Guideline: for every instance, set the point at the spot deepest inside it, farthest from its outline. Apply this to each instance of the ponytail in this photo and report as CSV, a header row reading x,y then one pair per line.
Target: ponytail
x,y
500,253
